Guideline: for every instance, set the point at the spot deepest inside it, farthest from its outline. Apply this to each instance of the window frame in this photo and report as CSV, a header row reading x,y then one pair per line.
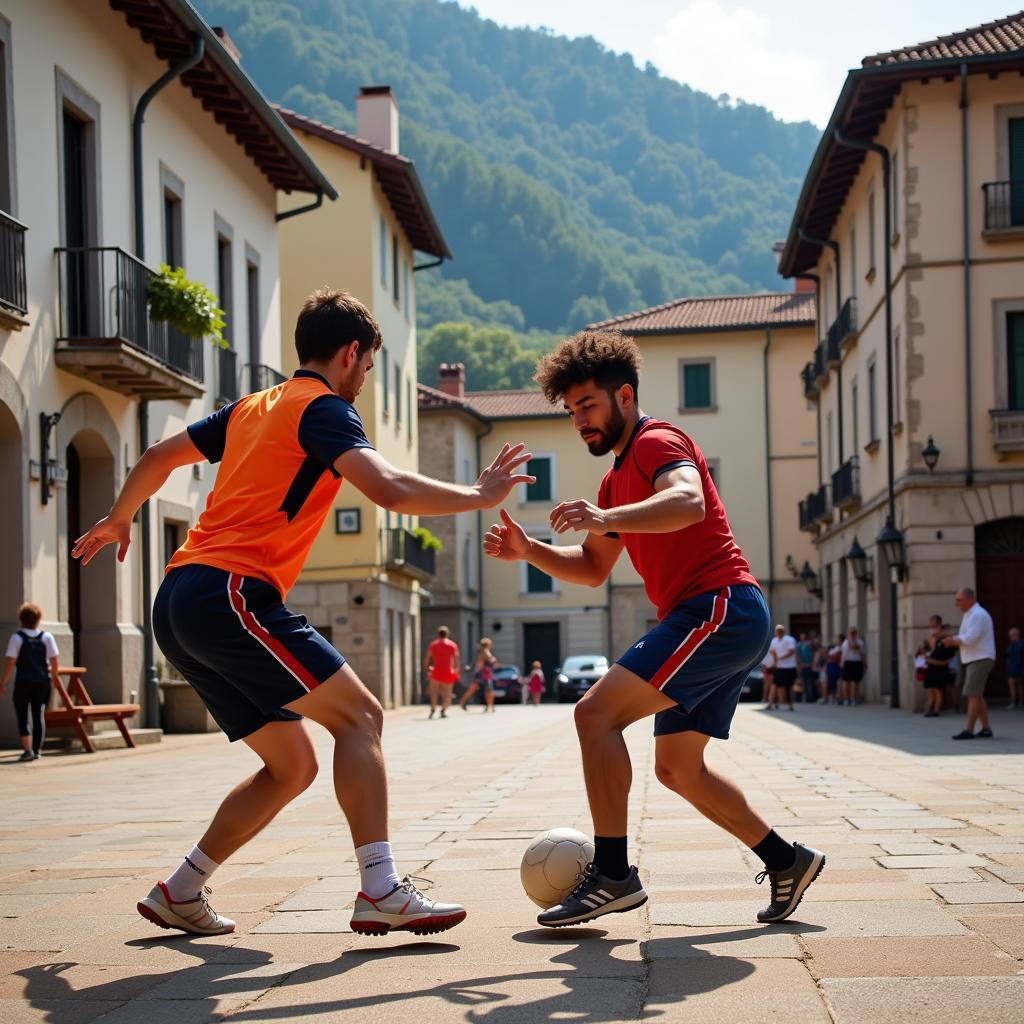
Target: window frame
x,y
253,319
544,535
383,252
172,187
396,293
710,362
224,240
385,382
398,395
872,233
1001,310
894,194
72,98
873,439
524,500
897,391
855,409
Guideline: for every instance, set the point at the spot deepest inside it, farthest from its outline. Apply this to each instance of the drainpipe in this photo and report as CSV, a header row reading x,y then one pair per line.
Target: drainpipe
x,y
874,147
427,266
768,463
152,684
315,205
967,275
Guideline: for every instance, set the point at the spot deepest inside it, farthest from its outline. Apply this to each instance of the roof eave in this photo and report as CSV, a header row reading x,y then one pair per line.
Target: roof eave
x,y
715,329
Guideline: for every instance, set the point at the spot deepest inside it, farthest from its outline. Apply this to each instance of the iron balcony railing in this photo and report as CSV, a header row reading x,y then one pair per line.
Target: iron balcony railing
x,y
405,553
103,299
227,376
806,522
820,364
807,375
818,504
1004,204
846,485
262,377
843,328
13,290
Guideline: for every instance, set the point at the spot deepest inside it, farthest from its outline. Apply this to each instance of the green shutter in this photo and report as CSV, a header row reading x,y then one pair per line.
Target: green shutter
x,y
1016,126
541,489
538,582
697,386
1015,360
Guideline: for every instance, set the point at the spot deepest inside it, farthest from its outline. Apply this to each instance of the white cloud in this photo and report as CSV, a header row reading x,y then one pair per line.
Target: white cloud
x,y
718,49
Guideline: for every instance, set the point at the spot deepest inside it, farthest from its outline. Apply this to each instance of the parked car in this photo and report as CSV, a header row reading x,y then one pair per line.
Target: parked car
x,y
507,684
753,685
578,674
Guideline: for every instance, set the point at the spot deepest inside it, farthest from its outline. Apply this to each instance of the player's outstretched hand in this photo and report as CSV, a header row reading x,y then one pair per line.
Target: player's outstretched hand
x,y
106,531
579,514
506,540
500,476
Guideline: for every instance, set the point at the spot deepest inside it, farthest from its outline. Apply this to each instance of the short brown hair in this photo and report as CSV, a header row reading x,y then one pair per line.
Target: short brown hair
x,y
442,631
29,615
329,320
608,358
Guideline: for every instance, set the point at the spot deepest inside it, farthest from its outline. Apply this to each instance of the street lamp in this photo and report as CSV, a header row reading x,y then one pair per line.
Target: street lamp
x,y
858,559
930,453
810,578
890,540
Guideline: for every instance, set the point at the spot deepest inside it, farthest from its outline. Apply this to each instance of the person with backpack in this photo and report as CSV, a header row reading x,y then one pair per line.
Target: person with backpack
x,y
32,653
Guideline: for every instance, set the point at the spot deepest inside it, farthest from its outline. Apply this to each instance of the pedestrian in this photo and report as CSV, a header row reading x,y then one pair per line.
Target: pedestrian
x,y
783,650
855,664
658,502
936,674
33,655
441,664
1015,668
768,681
220,618
536,684
805,659
834,669
976,643
483,676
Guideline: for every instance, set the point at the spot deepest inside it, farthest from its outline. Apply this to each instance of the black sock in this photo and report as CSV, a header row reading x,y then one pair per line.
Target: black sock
x,y
610,856
776,853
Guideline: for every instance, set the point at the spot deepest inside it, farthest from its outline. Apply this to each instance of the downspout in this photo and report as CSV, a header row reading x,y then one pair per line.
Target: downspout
x,y
967,275
768,463
427,266
874,147
152,685
315,205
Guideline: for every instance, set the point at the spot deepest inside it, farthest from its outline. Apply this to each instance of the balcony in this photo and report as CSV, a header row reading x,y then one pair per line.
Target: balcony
x,y
227,377
106,336
13,290
807,375
263,377
403,553
1004,207
843,331
820,363
1007,430
815,510
846,486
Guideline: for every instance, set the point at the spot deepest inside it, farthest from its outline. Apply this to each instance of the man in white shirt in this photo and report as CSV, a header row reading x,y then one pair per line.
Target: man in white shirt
x,y
782,651
977,646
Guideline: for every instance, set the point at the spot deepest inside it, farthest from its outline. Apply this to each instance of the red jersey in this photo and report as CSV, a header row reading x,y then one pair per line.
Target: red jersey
x,y
445,654
691,561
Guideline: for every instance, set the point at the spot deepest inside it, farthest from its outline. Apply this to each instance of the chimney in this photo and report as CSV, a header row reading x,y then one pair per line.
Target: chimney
x,y
229,44
451,379
377,117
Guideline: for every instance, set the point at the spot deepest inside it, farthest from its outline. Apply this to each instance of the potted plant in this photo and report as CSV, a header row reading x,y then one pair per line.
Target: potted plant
x,y
427,540
188,306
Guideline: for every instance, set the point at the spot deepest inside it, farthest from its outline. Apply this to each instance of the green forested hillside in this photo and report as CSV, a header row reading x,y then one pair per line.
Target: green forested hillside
x,y
571,184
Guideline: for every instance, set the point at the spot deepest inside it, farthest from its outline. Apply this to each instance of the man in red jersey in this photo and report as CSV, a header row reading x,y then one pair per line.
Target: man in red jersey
x,y
442,667
659,503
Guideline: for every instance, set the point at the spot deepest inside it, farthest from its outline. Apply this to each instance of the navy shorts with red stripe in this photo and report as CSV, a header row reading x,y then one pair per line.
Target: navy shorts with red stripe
x,y
700,654
243,651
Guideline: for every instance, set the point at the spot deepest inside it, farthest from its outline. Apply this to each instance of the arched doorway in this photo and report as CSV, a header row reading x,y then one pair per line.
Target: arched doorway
x,y
12,547
999,570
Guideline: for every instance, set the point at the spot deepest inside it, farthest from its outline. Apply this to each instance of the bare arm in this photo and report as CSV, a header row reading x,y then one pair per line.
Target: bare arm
x,y
146,478
9,664
413,494
55,670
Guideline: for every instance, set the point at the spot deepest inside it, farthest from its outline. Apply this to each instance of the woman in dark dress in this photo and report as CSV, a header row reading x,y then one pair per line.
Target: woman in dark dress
x,y
937,674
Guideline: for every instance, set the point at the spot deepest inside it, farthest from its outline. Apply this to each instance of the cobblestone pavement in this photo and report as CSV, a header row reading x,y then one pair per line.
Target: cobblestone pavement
x,y
919,915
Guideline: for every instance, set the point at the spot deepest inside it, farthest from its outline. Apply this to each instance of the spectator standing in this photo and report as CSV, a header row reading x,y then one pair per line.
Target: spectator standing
x,y
805,658
783,652
483,676
833,669
855,664
33,653
976,643
937,674
442,667
1015,668
536,684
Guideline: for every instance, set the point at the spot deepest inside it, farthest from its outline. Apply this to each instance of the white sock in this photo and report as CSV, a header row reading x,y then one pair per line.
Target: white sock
x,y
377,874
193,873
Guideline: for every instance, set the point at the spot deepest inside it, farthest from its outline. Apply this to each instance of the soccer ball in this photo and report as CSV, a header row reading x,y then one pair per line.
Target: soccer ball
x,y
553,863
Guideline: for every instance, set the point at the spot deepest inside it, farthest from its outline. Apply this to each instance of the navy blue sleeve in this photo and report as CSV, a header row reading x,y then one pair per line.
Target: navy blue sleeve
x,y
209,435
330,427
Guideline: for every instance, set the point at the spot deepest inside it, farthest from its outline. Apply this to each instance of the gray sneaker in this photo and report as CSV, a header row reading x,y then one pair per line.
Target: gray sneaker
x,y
195,916
405,909
594,896
788,886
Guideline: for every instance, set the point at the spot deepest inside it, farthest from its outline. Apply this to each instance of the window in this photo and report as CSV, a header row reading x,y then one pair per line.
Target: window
x,y
871,231
224,279
408,406
398,395
715,471
697,385
385,383
7,175
383,252
855,409
174,536
896,361
252,311
872,402
1015,360
1015,131
405,288
532,580
542,489
894,185
395,293
829,443
851,256
829,292
467,561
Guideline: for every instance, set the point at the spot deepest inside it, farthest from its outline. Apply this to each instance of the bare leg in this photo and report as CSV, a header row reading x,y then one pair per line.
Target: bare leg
x,y
446,697
617,700
488,700
353,716
679,766
468,695
432,687
977,711
289,767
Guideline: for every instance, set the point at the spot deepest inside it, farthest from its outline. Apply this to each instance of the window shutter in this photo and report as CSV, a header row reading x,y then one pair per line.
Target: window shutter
x,y
1015,360
1016,126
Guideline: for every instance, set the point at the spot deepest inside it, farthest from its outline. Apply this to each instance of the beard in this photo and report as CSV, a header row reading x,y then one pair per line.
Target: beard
x,y
610,436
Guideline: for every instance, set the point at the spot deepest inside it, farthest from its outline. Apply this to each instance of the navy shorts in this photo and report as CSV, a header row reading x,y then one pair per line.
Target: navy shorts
x,y
243,651
700,654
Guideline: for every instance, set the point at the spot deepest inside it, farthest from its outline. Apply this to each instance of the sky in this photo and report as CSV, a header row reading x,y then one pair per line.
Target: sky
x,y
789,57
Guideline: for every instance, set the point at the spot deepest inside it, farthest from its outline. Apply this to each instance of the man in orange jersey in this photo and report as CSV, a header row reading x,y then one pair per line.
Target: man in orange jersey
x,y
220,616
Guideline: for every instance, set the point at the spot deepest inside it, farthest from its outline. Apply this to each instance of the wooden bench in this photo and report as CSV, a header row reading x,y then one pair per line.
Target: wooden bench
x,y
76,714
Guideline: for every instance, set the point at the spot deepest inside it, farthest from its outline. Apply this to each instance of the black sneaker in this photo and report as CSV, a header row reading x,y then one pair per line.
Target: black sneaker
x,y
984,734
594,896
27,755
788,886
965,734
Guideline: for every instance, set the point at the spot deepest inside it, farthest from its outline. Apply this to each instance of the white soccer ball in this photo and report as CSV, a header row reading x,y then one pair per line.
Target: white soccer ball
x,y
553,863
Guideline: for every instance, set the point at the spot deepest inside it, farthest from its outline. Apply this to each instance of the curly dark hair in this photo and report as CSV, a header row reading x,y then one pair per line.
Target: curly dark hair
x,y
608,358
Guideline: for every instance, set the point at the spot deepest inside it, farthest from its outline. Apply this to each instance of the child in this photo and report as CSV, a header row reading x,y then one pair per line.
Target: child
x,y
536,685
35,654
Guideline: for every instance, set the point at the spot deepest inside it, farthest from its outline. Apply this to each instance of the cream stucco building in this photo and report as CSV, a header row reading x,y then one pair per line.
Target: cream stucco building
x,y
362,582
911,220
84,374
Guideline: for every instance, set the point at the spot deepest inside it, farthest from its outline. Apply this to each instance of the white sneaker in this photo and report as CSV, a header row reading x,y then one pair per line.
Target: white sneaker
x,y
195,916
405,908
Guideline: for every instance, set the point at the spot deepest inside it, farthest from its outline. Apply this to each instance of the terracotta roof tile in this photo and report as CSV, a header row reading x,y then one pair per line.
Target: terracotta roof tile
x,y
1003,36
717,313
523,403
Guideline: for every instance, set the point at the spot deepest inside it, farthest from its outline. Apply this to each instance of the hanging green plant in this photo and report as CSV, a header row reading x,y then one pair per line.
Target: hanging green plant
x,y
428,541
188,306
